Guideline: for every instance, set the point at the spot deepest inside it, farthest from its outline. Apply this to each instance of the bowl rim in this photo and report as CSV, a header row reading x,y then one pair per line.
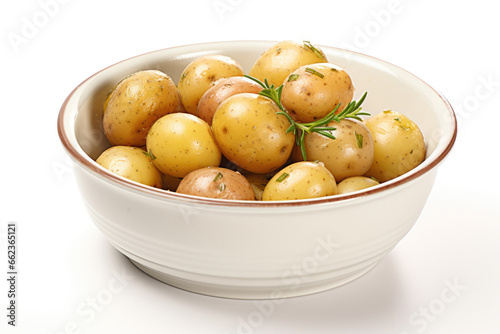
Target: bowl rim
x,y
91,166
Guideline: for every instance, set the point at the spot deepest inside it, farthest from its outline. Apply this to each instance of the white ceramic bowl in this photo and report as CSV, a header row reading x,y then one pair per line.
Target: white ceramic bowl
x,y
255,250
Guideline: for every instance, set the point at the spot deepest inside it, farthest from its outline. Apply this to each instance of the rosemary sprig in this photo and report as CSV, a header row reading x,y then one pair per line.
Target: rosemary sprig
x,y
316,51
352,110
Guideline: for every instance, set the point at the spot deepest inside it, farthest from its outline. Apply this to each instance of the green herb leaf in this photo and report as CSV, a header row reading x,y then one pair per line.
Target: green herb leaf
x,y
151,155
313,71
282,177
292,77
359,139
218,176
314,49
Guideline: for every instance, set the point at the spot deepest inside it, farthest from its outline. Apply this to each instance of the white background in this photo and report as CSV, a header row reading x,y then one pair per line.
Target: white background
x,y
67,270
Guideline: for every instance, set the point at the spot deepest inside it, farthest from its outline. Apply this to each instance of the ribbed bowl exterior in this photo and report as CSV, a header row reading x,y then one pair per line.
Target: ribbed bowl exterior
x,y
259,253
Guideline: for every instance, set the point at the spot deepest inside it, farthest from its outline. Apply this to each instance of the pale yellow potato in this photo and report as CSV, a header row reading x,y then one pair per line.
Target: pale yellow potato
x,y
132,163
350,154
300,180
355,183
216,182
201,74
251,134
223,89
399,145
277,62
135,104
312,91
180,143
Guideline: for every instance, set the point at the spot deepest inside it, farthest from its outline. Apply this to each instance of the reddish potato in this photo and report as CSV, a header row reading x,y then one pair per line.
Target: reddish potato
x,y
313,91
216,182
223,89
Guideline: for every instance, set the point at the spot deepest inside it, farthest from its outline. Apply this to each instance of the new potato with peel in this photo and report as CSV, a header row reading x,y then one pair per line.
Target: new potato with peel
x,y
300,180
135,104
355,183
132,163
251,133
399,145
216,182
277,62
349,154
180,143
312,91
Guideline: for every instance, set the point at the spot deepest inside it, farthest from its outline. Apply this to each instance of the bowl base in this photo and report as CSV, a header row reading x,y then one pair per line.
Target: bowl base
x,y
247,291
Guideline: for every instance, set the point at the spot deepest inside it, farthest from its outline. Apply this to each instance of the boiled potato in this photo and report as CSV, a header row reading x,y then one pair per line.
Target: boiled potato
x,y
355,183
276,63
223,89
132,163
251,134
399,145
216,182
312,91
350,154
180,143
201,74
300,180
135,104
